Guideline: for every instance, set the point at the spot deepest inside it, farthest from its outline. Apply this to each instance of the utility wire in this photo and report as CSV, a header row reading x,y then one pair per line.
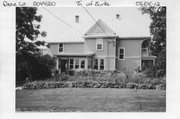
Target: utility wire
x,y
60,19
94,19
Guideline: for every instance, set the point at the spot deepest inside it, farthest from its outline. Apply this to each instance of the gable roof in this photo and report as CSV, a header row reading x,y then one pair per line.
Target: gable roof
x,y
116,27
99,29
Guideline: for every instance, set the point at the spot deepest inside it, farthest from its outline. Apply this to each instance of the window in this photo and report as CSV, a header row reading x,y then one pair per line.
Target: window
x,y
71,63
99,44
96,64
90,63
61,47
76,63
121,53
82,64
101,64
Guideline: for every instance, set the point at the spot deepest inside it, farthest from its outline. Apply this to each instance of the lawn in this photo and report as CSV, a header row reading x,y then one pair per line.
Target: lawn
x,y
91,100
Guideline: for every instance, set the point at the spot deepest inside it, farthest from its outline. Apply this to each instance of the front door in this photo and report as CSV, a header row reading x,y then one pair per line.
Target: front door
x,y
63,65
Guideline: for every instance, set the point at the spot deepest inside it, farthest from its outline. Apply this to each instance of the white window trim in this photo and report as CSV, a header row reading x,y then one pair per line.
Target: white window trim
x,y
99,43
119,53
63,47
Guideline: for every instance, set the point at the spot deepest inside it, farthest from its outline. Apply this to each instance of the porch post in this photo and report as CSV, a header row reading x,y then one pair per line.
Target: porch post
x,y
86,63
153,61
57,63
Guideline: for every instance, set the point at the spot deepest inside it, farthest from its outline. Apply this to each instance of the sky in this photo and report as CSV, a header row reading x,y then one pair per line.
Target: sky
x,y
54,27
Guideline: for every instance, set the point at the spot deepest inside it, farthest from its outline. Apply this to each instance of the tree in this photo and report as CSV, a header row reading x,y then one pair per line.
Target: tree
x,y
29,63
27,28
158,33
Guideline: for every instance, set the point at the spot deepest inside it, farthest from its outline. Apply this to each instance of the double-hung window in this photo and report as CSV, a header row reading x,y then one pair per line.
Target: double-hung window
x,y
82,64
61,47
71,63
121,53
99,64
96,64
76,63
99,44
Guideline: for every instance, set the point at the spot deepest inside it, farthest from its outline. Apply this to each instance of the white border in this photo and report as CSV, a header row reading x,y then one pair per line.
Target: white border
x,y
7,68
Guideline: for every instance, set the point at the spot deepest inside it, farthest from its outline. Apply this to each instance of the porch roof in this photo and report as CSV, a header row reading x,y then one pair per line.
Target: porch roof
x,y
75,54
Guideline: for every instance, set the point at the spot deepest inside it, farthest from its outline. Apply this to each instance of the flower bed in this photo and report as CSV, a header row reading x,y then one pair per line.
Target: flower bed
x,y
99,79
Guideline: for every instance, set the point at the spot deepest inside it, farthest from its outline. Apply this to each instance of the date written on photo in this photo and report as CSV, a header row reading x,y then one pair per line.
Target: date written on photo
x,y
147,4
24,4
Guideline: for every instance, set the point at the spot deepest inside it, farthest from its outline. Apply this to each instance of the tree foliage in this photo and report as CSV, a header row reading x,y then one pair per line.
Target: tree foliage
x,y
27,27
158,33
29,63
33,67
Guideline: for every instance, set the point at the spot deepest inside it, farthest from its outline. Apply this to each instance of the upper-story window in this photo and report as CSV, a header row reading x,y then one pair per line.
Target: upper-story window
x,y
61,47
121,53
99,44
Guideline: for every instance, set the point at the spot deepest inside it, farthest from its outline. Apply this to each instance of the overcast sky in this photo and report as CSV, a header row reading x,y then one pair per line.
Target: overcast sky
x,y
53,26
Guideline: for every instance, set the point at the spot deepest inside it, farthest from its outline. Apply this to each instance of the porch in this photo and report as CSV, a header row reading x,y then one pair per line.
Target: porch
x,y
65,62
147,58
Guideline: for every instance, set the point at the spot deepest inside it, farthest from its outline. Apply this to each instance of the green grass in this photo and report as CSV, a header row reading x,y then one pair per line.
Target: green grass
x,y
91,100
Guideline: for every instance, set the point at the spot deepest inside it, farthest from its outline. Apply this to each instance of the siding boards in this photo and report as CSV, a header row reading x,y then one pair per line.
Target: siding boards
x,y
68,48
132,54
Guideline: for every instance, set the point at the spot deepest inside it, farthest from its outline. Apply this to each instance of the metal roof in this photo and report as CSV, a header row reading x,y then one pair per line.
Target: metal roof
x,y
121,28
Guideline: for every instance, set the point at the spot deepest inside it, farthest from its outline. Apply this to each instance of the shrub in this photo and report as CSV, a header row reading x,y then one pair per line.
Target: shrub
x,y
33,67
71,72
45,85
60,77
138,78
132,86
99,79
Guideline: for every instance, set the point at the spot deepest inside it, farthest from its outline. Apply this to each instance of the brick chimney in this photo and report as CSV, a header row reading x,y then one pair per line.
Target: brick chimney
x,y
77,18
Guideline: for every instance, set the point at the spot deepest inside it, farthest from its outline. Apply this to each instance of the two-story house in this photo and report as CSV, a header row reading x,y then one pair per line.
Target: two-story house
x,y
102,46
